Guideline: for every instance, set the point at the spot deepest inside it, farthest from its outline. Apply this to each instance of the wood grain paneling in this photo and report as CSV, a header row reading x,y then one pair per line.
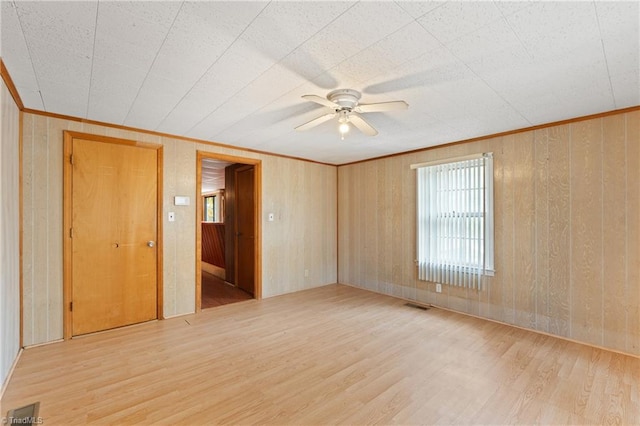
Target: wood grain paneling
x,y
213,243
55,225
9,232
632,221
42,232
382,229
559,231
524,231
369,241
294,201
185,254
480,305
496,289
171,230
505,262
563,263
345,183
614,171
405,185
586,231
541,221
27,228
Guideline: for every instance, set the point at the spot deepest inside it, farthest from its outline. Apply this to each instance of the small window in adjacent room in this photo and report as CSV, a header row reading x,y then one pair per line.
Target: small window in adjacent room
x,y
209,208
455,220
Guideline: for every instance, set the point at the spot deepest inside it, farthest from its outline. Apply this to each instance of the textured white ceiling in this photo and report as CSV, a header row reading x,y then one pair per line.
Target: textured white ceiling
x,y
213,177
234,72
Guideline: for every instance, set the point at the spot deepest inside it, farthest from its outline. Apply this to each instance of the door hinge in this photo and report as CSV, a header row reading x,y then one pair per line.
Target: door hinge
x,y
70,232
71,306
71,159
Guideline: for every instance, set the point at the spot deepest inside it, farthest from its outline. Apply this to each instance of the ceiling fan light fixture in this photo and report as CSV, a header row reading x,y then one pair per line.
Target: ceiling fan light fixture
x,y
343,128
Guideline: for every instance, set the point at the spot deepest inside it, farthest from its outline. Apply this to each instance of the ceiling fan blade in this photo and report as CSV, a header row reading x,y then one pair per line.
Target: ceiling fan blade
x,y
382,106
362,125
320,100
316,121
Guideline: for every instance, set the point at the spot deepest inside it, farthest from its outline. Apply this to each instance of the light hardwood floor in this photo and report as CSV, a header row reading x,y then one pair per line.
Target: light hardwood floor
x,y
330,355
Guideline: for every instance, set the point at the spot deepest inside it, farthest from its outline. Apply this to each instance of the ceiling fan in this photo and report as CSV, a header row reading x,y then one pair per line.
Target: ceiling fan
x,y
345,105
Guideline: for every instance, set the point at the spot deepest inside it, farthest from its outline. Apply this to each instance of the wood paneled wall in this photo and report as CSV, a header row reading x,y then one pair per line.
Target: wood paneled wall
x,y
9,233
303,201
567,230
304,236
213,243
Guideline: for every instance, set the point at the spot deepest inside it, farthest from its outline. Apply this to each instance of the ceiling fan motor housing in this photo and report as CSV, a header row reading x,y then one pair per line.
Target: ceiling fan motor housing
x,y
346,98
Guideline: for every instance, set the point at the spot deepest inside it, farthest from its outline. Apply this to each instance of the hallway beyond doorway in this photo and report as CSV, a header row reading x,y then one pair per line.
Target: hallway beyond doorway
x,y
217,292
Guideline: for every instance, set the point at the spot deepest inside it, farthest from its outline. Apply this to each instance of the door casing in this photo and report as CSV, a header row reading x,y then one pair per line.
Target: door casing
x,y
69,136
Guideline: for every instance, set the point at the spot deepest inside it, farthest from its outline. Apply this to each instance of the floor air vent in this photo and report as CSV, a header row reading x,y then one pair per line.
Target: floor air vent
x,y
414,305
27,415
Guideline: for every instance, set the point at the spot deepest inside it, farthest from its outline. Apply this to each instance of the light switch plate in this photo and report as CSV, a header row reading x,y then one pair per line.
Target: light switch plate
x,y
172,217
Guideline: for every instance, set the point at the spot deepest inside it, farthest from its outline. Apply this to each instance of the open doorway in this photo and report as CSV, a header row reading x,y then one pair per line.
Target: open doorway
x,y
228,230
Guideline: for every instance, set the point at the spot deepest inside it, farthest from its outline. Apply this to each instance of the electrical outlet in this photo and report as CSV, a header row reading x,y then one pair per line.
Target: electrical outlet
x,y
438,288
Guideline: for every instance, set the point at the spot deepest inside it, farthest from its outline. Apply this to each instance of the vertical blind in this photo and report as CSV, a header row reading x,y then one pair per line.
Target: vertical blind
x,y
455,221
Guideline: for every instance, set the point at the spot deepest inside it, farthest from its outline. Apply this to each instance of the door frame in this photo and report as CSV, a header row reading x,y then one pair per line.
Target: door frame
x,y
67,217
257,206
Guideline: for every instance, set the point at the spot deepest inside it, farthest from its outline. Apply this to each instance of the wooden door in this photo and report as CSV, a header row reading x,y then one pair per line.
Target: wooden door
x,y
245,228
113,237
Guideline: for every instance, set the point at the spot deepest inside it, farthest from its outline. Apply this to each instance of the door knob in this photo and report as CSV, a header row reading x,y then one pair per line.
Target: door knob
x,y
151,243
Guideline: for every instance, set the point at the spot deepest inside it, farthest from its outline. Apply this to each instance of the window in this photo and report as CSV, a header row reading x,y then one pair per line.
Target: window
x,y
213,206
209,208
455,220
